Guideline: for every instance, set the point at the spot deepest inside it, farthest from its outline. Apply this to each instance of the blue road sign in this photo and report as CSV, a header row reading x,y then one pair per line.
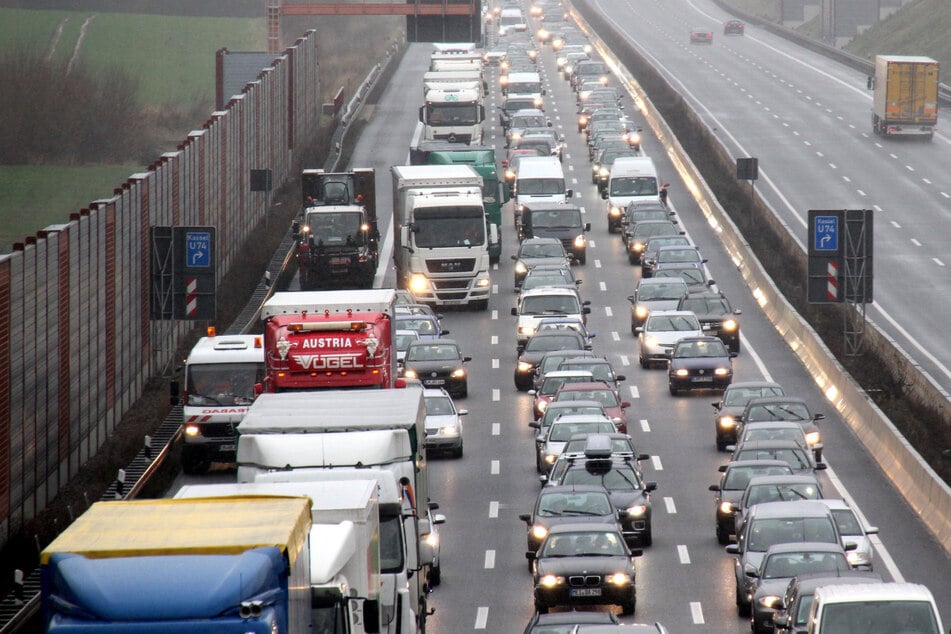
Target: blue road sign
x,y
826,233
198,249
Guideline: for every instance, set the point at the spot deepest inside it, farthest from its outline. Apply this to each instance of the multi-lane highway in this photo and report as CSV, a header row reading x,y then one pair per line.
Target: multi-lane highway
x,y
750,90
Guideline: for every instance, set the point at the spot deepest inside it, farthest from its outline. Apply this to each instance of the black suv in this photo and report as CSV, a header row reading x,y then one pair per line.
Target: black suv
x,y
716,315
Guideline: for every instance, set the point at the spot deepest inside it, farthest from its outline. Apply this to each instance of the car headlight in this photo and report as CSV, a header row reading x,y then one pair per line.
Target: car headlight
x,y
580,241
730,325
539,102
418,283
483,282
192,430
458,374
726,422
681,372
771,601
595,168
615,211
604,172
858,558
542,34
504,65
638,510
721,371
509,175
542,406
524,367
410,374
618,579
550,581
637,247
641,312
603,79
634,138
813,438
539,532
516,136
449,430
726,508
432,539
550,458
588,48
504,79
528,331
520,267
569,68
650,341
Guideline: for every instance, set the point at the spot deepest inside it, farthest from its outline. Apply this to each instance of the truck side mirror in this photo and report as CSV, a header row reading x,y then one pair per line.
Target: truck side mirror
x,y
174,393
569,193
604,194
870,82
422,114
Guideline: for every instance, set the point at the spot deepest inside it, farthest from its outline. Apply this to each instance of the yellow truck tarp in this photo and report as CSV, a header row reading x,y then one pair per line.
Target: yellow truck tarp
x,y
196,526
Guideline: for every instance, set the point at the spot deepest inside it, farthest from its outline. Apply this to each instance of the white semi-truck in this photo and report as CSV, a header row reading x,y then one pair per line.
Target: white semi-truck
x,y
441,236
454,113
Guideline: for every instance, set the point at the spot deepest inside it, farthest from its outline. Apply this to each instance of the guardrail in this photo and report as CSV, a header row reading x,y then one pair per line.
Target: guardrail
x,y
21,605
853,61
922,488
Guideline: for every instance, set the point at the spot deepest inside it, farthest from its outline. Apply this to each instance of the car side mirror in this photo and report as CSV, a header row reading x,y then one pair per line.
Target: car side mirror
x,y
781,621
525,517
443,333
586,310
649,486
569,193
514,312
462,412
714,487
515,257
543,479
821,466
819,417
466,359
535,424
604,194
734,355
587,226
530,555
722,468
620,378
625,404
733,549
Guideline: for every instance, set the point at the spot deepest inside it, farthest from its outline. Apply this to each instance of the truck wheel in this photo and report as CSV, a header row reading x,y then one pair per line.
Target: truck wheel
x,y
194,460
435,576
482,304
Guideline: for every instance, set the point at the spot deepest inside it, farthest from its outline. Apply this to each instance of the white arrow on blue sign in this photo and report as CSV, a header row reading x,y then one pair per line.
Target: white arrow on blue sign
x,y
826,234
198,249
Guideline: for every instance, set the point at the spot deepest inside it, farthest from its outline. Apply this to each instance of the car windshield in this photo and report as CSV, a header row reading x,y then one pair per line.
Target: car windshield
x,y
421,326
634,186
541,186
704,306
672,323
556,342
437,227
660,291
690,276
795,458
607,398
533,121
539,280
778,411
737,478
551,384
222,383
655,243
757,494
562,432
552,413
773,433
553,304
700,349
618,445
335,227
671,254
645,230
544,250
599,371
403,341
768,532
613,479
736,396
581,503
439,405
433,352
789,565
861,617
589,543
557,219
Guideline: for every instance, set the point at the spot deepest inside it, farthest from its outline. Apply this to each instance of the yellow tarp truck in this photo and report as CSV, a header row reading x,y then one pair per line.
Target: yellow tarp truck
x,y
905,95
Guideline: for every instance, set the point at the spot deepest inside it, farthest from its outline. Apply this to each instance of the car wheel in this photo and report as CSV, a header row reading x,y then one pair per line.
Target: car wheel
x,y
627,609
631,258
721,445
541,609
482,304
645,363
742,608
723,534
582,259
735,346
457,453
673,391
435,576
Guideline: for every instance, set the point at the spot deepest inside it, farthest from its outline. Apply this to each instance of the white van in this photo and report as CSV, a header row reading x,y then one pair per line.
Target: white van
x,y
633,179
540,179
525,85
878,607
512,20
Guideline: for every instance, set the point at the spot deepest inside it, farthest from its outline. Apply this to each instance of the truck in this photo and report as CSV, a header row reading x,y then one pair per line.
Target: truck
x,y
220,374
441,237
345,580
904,96
329,339
482,159
453,113
337,235
229,565
454,78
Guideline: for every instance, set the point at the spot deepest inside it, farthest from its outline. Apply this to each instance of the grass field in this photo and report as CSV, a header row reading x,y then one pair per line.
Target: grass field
x,y
30,200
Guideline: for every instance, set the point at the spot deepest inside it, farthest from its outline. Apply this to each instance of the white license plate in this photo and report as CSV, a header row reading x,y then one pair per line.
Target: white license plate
x,y
340,260
434,382
702,379
226,448
585,592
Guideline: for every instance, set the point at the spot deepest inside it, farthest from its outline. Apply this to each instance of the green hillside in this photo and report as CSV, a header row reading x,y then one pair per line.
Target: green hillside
x,y
919,28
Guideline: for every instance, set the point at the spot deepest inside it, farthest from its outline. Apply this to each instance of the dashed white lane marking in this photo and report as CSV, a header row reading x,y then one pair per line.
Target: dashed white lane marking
x,y
495,314
658,465
602,286
495,364
915,242
671,507
493,510
495,340
682,554
482,616
496,429
635,393
895,224
496,395
615,336
608,312
490,559
624,360
938,262
645,426
696,612
495,289
860,192
494,467
597,264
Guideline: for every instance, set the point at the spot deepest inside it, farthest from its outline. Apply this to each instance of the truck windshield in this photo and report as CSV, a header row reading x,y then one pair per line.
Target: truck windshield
x,y
391,544
437,227
541,186
634,186
525,88
335,228
453,114
221,383
561,219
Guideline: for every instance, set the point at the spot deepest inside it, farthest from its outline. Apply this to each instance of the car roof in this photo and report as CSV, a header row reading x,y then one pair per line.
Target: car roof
x,y
583,527
755,463
795,547
808,583
555,374
790,508
587,385
579,618
572,488
749,384
875,592
649,281
433,342
782,479
581,418
569,404
671,313
778,443
766,400
548,290
539,241
435,391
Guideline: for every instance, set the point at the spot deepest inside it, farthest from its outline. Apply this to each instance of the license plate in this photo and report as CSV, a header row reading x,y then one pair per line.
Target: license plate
x,y
585,592
339,261
226,448
702,379
434,382
708,327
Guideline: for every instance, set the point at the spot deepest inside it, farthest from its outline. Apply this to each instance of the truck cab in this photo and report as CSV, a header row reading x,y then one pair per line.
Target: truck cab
x,y
453,114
